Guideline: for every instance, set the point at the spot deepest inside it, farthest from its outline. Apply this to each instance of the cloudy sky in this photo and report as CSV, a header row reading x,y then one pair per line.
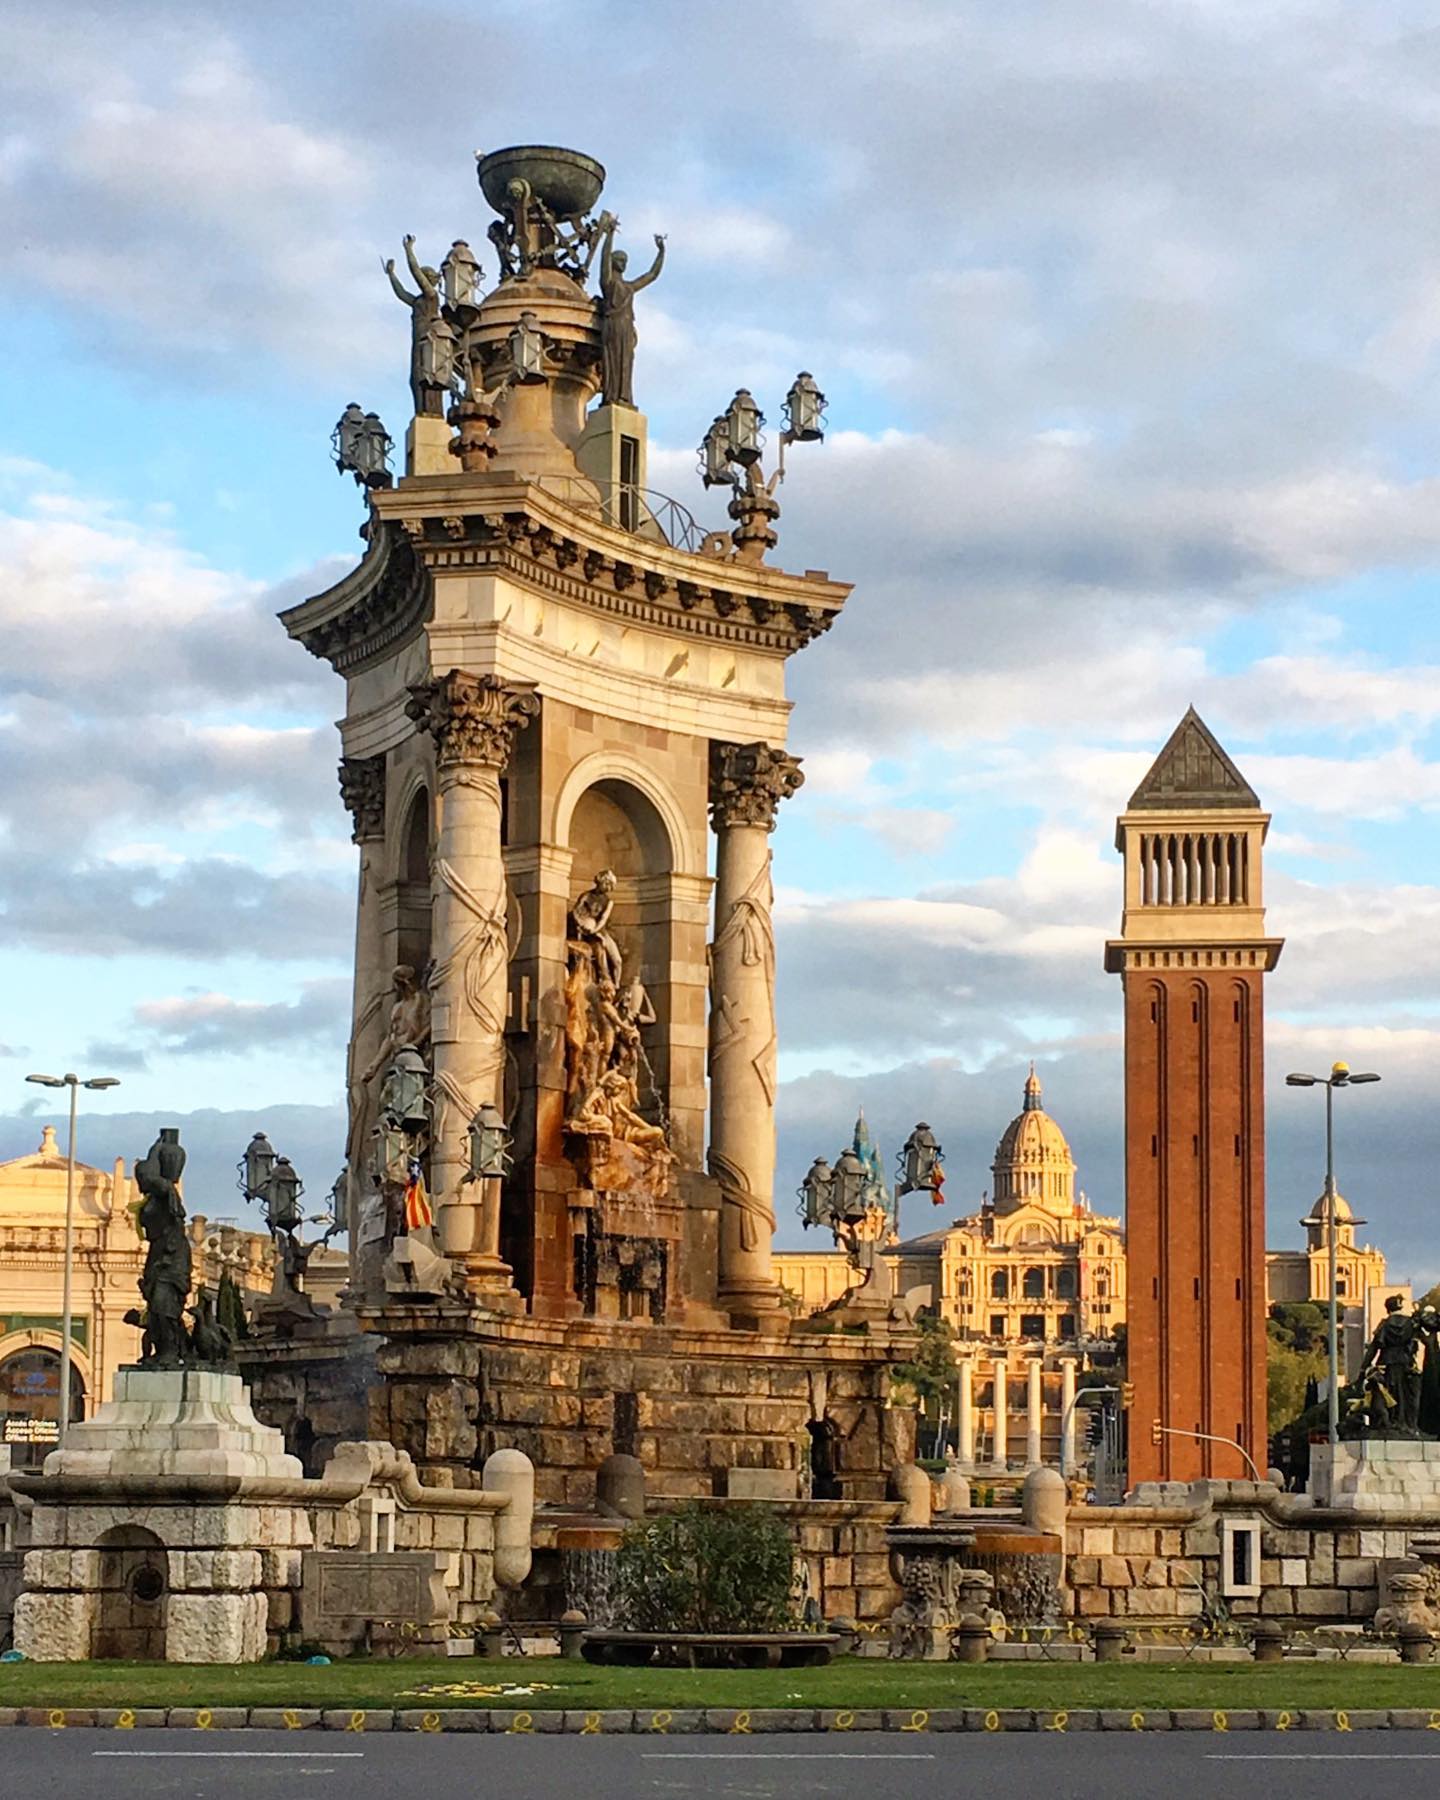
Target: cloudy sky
x,y
1129,318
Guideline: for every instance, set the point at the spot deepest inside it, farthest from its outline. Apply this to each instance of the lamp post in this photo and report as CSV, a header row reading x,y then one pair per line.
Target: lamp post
x,y
1339,1076
74,1083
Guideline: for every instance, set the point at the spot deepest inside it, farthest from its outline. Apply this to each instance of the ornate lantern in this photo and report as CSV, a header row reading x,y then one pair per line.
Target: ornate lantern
x,y
817,1193
490,1141
373,445
281,1197
392,1153
527,349
743,420
804,411
851,1181
437,359
919,1160
405,1096
715,455
255,1166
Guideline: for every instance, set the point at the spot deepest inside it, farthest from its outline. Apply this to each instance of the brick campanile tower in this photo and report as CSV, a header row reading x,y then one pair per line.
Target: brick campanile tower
x,y
1192,955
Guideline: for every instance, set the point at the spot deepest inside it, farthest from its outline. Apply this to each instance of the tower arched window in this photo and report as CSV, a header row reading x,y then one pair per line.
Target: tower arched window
x,y
1000,1285
1034,1284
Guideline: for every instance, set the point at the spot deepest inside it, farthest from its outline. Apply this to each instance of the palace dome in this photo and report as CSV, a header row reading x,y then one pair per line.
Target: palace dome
x,y
1033,1165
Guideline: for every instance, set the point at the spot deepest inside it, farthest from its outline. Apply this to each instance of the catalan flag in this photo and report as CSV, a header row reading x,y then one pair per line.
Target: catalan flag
x,y
418,1214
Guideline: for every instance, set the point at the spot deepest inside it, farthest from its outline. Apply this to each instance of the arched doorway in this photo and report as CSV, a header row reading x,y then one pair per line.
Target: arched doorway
x,y
30,1403
133,1578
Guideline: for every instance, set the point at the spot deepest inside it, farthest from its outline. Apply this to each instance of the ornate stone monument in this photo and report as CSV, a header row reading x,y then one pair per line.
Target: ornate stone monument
x,y
558,687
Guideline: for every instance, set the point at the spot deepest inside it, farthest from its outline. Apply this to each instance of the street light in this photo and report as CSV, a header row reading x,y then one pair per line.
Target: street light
x,y
1339,1076
74,1083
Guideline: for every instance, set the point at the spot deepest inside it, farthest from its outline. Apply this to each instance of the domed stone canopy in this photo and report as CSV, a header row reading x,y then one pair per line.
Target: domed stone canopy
x,y
1033,1165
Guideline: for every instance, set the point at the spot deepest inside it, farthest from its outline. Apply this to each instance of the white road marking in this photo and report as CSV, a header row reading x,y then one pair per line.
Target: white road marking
x,y
788,1755
1322,1755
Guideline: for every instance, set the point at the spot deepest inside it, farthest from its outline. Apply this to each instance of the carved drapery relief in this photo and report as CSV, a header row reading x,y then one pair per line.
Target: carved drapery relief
x,y
472,718
472,973
362,789
748,782
748,934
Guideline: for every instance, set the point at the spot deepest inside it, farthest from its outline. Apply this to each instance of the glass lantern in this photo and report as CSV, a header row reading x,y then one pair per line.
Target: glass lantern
x,y
715,455
256,1165
920,1159
743,420
527,349
804,410
851,1180
281,1195
817,1193
490,1141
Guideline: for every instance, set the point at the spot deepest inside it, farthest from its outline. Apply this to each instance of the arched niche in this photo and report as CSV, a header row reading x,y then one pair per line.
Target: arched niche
x,y
133,1582
414,850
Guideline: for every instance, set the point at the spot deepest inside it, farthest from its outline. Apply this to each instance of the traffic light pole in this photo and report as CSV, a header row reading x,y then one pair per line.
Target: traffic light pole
x,y
1159,1431
1126,1393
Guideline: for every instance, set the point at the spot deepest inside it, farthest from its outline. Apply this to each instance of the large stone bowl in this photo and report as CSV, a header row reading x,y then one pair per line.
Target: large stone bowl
x,y
567,182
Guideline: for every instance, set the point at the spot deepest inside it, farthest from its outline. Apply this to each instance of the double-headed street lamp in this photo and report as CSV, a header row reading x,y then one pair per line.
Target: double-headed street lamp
x,y
1339,1076
74,1083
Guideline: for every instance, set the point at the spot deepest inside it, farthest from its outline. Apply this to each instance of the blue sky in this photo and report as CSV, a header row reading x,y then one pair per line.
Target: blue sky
x,y
1129,319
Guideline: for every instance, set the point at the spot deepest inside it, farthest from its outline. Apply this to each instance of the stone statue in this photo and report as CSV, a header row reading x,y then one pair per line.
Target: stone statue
x,y
432,337
1428,1324
617,317
210,1341
460,275
409,1026
1389,1370
591,914
165,1279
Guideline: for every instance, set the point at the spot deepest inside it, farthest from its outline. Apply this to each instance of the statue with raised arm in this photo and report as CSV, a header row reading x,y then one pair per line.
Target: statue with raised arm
x,y
432,337
589,918
617,318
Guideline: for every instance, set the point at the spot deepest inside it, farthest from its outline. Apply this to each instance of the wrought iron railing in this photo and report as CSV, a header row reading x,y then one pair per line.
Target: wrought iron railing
x,y
643,511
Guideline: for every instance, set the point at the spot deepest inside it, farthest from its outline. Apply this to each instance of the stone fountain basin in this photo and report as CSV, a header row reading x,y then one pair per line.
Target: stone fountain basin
x,y
567,181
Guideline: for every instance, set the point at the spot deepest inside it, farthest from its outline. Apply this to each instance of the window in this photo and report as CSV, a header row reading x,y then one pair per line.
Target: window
x,y
1064,1284
997,1325
1240,1558
1000,1285
1032,1325
1102,1284
1067,1325
1033,1286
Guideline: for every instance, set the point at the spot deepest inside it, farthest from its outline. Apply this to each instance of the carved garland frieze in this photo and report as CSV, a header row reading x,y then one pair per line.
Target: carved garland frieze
x,y
472,718
362,788
748,782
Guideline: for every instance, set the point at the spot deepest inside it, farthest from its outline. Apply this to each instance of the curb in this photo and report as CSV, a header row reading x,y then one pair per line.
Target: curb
x,y
724,1721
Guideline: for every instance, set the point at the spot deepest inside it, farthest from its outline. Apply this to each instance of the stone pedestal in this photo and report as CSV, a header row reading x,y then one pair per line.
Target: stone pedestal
x,y
136,1522
1399,1475
427,447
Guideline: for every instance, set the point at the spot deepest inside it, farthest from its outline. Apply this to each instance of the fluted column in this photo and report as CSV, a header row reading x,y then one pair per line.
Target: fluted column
x,y
473,720
1001,1443
966,1431
1035,1413
362,789
747,783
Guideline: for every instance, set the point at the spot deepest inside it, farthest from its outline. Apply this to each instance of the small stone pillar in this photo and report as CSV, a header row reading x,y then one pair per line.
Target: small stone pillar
x,y
620,1487
511,1473
473,720
966,1428
1002,1411
1044,1501
1035,1412
911,1486
747,784
1067,1416
954,1489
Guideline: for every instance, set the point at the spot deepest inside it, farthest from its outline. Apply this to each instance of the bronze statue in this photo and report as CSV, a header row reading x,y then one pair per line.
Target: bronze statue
x,y
617,317
432,337
1389,1369
165,1279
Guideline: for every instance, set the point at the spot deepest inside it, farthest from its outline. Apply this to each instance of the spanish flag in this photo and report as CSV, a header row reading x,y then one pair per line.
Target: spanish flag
x,y
418,1215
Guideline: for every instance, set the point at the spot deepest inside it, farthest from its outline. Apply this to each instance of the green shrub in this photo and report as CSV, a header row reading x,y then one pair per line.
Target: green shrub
x,y
723,1568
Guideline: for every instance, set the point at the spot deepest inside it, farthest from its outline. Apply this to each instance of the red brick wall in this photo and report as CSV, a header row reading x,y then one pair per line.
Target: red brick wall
x,y
1195,1218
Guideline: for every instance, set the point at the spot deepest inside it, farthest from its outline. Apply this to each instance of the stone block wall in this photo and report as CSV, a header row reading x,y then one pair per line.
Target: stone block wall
x,y
690,1405
313,1389
1316,1566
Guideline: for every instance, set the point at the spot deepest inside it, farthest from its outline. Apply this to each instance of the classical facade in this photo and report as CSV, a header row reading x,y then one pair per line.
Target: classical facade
x,y
108,1256
1192,956
1361,1284
565,703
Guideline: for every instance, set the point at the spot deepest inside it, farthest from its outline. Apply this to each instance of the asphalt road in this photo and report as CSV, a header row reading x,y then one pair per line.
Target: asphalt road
x,y
259,1765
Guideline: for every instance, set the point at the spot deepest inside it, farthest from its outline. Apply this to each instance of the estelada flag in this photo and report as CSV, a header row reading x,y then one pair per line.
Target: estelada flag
x,y
417,1202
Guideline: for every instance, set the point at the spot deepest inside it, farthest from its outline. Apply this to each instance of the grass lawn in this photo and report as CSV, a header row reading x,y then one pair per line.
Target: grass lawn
x,y
851,1682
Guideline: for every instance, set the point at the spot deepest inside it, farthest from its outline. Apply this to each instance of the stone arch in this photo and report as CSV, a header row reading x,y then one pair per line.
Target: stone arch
x,y
613,771
36,1343
133,1583
410,854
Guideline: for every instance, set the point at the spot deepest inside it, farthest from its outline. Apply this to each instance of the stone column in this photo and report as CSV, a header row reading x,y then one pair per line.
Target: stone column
x,y
362,788
473,719
1001,1446
965,1448
1067,1414
747,783
1035,1413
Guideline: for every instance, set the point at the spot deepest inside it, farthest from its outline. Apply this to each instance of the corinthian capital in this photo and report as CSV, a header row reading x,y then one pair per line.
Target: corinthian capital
x,y
362,788
747,783
472,718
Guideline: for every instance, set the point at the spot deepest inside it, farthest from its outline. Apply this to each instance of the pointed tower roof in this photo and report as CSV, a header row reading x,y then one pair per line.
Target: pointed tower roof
x,y
1193,772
